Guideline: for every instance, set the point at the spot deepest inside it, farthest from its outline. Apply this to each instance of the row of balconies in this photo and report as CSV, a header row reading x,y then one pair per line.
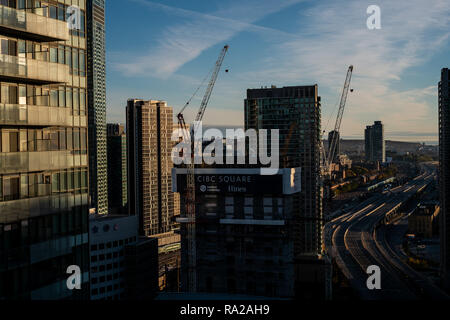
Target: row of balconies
x,y
19,114
31,26
32,71
13,211
14,162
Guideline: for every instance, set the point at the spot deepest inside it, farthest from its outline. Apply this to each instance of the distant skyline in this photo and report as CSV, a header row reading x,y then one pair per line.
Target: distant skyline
x,y
159,50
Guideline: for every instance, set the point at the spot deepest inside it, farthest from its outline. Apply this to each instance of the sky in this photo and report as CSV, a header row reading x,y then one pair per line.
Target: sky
x,y
162,50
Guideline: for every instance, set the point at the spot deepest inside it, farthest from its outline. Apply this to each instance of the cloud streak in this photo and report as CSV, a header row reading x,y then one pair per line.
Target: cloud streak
x,y
326,38
184,42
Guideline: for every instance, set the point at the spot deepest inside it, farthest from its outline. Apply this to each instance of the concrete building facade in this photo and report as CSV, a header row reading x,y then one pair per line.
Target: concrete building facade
x,y
109,235
149,145
422,221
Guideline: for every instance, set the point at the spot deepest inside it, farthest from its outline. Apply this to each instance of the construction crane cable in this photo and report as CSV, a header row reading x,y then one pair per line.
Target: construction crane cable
x,y
331,116
196,90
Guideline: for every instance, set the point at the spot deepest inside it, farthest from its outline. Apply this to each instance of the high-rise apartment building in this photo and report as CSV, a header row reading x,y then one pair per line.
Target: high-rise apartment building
x,y
375,145
44,194
149,145
444,174
337,149
295,111
98,177
117,169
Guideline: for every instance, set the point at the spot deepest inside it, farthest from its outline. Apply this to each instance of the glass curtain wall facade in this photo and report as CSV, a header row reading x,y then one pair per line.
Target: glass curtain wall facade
x,y
296,112
43,150
98,162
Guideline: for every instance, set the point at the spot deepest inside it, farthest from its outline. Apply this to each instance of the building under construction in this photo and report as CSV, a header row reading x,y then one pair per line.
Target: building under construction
x,y
296,112
257,234
243,230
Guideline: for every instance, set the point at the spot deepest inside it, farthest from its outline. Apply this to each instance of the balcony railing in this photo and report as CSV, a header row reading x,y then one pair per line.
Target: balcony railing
x,y
20,114
32,26
13,211
32,71
14,162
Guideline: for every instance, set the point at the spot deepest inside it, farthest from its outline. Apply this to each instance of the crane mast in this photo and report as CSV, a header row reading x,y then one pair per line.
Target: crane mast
x,y
190,181
335,140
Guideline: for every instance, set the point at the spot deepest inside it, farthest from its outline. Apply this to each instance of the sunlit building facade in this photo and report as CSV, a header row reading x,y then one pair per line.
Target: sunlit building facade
x,y
149,147
98,163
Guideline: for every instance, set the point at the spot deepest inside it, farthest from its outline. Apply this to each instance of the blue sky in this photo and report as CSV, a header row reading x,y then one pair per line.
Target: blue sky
x,y
163,49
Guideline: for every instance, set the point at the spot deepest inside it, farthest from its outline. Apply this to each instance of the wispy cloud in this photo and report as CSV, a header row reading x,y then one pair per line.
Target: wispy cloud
x,y
326,37
412,31
185,41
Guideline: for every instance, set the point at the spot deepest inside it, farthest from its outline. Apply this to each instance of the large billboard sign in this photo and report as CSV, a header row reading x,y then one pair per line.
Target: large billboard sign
x,y
249,181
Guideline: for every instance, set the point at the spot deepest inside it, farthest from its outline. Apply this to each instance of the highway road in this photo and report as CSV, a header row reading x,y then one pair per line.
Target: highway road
x,y
357,240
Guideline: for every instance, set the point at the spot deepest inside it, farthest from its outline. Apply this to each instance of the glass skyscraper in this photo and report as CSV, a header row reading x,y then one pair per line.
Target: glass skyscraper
x,y
98,183
43,155
296,113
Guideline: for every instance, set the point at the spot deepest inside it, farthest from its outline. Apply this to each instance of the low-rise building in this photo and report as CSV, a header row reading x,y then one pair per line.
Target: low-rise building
x,y
108,237
169,261
422,221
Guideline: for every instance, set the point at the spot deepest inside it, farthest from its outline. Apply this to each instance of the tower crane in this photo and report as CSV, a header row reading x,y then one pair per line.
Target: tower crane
x,y
190,181
334,141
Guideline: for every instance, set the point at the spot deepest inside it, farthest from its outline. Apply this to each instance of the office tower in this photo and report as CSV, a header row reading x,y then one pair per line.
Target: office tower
x,y
295,111
117,169
375,147
444,174
337,149
109,235
149,145
43,160
98,173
